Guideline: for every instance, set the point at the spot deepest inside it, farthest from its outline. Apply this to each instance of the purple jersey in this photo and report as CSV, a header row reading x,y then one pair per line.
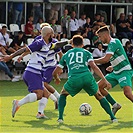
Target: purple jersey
x,y
39,51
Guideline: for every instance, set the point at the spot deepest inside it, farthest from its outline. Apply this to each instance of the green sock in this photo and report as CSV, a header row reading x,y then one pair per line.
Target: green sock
x,y
110,99
105,105
61,106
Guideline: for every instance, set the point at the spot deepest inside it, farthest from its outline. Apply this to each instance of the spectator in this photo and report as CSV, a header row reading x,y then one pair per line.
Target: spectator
x,y
95,21
82,21
18,42
53,14
54,26
130,22
29,27
103,23
122,27
65,20
5,68
40,21
87,29
17,12
47,14
4,41
98,51
129,51
74,27
37,12
35,33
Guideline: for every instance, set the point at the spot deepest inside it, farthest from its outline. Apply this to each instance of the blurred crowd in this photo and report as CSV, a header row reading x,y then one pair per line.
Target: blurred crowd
x,y
64,26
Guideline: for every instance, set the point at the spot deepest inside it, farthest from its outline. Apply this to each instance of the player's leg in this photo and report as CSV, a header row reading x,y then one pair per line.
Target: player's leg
x,y
105,105
112,80
42,104
128,93
34,86
47,78
105,93
62,104
93,91
52,90
115,106
126,84
54,99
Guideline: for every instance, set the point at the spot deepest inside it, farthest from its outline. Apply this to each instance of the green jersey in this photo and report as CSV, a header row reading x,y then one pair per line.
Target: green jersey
x,y
119,59
76,61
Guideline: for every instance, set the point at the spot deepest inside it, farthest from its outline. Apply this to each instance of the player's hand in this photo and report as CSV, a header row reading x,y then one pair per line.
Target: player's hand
x,y
5,58
57,81
110,68
19,59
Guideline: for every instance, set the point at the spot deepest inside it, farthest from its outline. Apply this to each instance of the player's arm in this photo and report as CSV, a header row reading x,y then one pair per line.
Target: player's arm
x,y
104,59
22,55
58,70
60,54
58,45
18,52
98,72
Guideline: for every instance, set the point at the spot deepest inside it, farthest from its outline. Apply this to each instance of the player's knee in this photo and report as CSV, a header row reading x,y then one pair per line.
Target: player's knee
x,y
98,95
39,94
128,95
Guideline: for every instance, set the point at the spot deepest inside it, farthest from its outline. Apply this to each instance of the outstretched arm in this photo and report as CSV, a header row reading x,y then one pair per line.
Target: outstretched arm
x,y
104,59
18,52
59,44
22,55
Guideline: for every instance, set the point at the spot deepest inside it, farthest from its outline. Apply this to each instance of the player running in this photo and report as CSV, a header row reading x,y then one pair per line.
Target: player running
x,y
122,70
33,72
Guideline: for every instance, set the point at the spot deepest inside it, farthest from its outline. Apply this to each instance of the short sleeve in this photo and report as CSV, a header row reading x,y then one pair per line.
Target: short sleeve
x,y
111,48
35,46
90,57
62,62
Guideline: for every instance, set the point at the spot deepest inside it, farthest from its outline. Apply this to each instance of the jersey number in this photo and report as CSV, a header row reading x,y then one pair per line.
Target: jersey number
x,y
79,57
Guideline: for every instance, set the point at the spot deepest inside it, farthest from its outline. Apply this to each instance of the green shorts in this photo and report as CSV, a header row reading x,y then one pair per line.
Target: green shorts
x,y
75,84
123,79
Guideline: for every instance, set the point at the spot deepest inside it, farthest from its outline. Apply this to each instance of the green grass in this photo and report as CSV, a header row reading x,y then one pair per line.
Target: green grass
x,y
25,119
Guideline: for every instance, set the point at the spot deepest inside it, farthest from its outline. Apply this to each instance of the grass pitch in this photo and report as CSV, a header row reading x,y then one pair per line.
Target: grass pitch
x,y
25,119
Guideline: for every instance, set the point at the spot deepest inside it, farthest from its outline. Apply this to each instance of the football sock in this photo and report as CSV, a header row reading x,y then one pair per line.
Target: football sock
x,y
32,97
56,94
105,105
42,104
110,99
53,98
61,106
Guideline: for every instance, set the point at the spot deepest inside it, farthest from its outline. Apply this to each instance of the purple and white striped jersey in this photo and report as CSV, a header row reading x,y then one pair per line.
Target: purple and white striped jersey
x,y
39,52
50,60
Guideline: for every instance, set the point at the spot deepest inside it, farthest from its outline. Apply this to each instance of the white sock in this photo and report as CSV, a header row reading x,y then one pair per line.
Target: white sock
x,y
32,97
53,98
56,94
42,104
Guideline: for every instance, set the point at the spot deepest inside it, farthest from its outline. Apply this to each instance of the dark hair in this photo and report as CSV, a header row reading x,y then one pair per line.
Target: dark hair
x,y
20,32
102,29
77,40
127,43
4,26
97,14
